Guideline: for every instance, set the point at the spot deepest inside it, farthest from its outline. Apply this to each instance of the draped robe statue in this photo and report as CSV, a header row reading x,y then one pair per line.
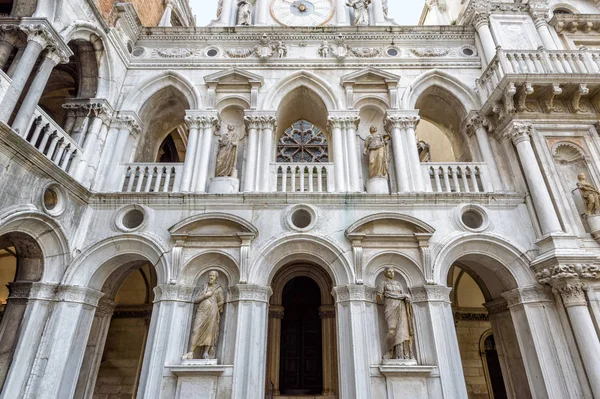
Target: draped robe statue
x,y
244,15
398,316
227,155
361,11
205,331
376,145
589,194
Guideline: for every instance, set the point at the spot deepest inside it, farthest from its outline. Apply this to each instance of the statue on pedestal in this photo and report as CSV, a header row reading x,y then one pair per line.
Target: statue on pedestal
x,y
205,331
589,194
244,14
376,146
398,317
227,155
361,11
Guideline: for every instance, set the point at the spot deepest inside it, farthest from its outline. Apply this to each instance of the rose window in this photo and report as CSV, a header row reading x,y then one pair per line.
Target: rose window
x,y
302,142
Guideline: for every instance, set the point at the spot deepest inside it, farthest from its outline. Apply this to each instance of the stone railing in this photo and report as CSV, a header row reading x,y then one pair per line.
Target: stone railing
x,y
457,177
536,62
150,177
52,141
5,81
303,177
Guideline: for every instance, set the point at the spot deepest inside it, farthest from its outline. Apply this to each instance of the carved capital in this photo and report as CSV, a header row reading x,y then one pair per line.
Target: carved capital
x,y
57,56
327,312
252,121
519,132
521,296
474,122
276,312
481,18
496,307
174,293
250,293
401,121
267,122
77,294
431,293
127,122
352,292
39,34
9,34
106,307
32,291
572,294
335,122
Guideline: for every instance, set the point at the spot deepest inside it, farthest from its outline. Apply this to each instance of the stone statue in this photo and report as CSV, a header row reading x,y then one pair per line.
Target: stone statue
x,y
227,155
589,194
324,50
244,15
398,316
205,331
376,145
281,49
361,11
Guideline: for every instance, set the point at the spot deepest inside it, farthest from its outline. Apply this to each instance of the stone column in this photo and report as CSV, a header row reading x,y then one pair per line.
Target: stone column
x,y
37,40
435,335
574,299
378,13
227,12
410,120
334,125
268,124
261,12
250,303
165,20
341,13
191,155
168,336
52,58
8,41
34,302
353,336
439,9
547,359
350,127
481,22
250,171
59,359
209,125
276,313
15,63
327,315
100,113
540,19
94,349
395,128
520,134
476,126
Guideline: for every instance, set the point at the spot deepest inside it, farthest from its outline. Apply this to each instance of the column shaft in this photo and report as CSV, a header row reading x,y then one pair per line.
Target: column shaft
x,y
544,31
13,93
251,159
15,62
5,51
487,41
354,181
204,159
266,158
32,98
341,13
413,158
262,12
338,158
88,148
487,154
190,157
402,181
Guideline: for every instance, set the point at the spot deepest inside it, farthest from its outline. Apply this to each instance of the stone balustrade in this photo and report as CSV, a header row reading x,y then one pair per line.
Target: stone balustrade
x,y
457,177
303,177
52,141
536,62
150,177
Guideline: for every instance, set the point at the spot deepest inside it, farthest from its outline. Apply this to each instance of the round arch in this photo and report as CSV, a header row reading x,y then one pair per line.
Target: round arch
x,y
144,92
232,101
301,248
299,79
445,80
99,261
493,257
316,273
403,264
221,261
372,101
47,233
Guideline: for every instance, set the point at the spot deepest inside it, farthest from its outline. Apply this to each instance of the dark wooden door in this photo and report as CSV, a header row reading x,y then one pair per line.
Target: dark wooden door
x,y
301,362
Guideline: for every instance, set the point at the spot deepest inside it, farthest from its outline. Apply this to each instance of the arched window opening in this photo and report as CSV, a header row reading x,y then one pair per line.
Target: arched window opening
x,y
433,143
6,7
167,153
491,364
562,11
303,142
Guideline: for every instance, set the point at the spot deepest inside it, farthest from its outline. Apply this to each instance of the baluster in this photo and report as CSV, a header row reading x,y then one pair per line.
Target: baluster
x,y
53,142
65,158
596,60
311,174
143,173
564,58
539,65
284,179
36,125
134,174
446,179
436,177
60,150
148,185
465,179
547,61
320,179
580,62
513,63
73,161
530,64
45,137
124,178
167,171
293,177
302,178
474,180
454,172
157,179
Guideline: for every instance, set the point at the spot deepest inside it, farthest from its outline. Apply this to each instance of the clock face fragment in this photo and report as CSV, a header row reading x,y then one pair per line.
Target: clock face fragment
x,y
302,12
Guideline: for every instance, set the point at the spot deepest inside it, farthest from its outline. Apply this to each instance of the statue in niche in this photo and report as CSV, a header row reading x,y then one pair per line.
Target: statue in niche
x,y
244,15
227,155
376,146
281,49
205,331
361,11
398,317
589,194
324,50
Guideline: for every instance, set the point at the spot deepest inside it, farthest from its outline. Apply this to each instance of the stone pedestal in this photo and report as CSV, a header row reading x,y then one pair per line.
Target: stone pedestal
x,y
410,381
224,185
200,379
378,185
594,224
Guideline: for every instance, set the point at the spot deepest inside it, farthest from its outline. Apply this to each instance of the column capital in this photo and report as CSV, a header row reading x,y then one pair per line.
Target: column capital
x,y
260,119
480,18
250,292
128,120
473,122
9,34
327,312
539,13
56,55
174,293
106,307
276,312
496,307
401,120
519,132
39,34
343,119
203,119
77,294
572,294
521,296
354,292
431,293
29,290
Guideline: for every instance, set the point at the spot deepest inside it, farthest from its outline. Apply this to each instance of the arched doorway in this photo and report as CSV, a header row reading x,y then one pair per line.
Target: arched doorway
x,y
302,347
491,366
